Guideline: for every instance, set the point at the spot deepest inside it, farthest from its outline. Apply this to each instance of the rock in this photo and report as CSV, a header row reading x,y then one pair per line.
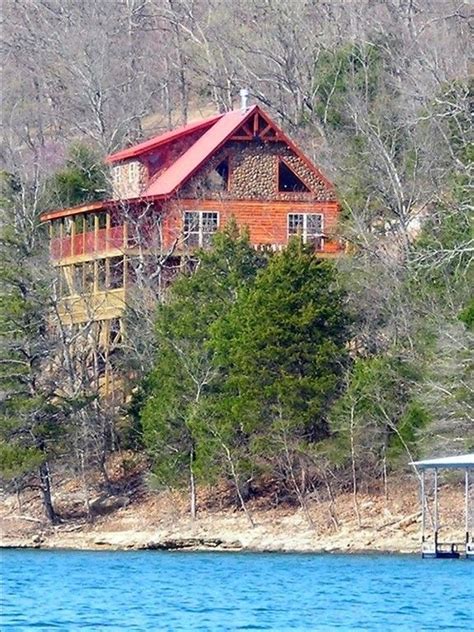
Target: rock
x,y
233,545
409,520
106,504
177,544
37,540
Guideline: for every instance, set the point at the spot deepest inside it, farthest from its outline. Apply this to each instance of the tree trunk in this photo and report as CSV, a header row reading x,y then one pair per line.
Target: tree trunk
x,y
85,487
354,471
235,478
18,497
45,479
192,485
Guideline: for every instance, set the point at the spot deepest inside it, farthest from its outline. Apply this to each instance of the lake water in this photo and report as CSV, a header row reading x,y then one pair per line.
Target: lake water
x,y
63,590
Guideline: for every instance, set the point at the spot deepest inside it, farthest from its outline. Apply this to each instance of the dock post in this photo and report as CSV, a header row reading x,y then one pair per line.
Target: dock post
x,y
466,506
423,509
435,525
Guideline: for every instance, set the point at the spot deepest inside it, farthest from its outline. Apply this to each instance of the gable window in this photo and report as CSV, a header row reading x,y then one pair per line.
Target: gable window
x,y
309,226
288,181
218,178
116,173
133,171
199,227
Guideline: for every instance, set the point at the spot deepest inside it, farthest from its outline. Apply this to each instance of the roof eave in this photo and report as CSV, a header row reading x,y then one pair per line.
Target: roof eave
x,y
462,461
144,148
97,206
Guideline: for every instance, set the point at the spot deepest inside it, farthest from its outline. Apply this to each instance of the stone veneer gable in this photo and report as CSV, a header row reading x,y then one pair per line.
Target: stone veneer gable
x,y
254,175
129,179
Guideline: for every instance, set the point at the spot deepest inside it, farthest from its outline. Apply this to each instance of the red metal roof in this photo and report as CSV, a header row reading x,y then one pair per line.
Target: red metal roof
x,y
199,151
158,141
216,131
74,210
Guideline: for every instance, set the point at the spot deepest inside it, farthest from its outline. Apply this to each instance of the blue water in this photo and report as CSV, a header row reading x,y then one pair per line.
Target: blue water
x,y
62,590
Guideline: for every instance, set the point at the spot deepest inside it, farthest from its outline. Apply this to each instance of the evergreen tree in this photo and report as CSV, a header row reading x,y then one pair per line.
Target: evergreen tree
x,y
31,415
185,369
282,352
82,179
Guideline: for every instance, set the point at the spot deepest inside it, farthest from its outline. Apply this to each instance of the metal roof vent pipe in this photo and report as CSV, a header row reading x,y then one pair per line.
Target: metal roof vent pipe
x,y
244,94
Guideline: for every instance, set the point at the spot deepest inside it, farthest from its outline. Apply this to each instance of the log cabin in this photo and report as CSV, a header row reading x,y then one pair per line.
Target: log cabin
x,y
170,194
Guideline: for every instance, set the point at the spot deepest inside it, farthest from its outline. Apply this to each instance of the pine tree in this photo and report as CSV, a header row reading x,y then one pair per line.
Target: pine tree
x,y
82,179
282,351
185,370
31,415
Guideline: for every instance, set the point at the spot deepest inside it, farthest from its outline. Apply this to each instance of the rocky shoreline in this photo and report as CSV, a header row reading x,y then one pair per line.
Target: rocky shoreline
x,y
403,537
162,522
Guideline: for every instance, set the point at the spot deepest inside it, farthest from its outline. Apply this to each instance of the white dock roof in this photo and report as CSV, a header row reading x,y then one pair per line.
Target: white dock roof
x,y
461,461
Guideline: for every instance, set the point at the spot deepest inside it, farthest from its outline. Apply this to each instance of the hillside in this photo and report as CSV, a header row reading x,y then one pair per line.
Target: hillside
x,y
136,518
311,372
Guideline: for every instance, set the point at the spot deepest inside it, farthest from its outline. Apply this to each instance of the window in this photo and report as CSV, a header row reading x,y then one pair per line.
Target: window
x,y
115,219
199,227
133,171
77,279
288,181
61,285
79,224
102,220
89,276
68,222
218,179
116,269
56,225
89,222
101,275
309,226
115,333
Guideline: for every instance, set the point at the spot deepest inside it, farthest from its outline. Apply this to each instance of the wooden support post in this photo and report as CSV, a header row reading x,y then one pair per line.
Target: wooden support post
x,y
466,504
423,506
436,509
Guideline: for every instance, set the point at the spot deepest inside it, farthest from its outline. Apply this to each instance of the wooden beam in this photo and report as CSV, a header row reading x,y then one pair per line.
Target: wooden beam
x,y
255,124
246,129
241,137
266,130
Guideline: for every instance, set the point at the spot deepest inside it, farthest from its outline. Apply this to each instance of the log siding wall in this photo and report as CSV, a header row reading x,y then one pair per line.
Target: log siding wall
x,y
267,222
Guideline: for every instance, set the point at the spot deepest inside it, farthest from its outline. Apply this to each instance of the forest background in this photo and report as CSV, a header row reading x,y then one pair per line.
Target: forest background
x,y
302,375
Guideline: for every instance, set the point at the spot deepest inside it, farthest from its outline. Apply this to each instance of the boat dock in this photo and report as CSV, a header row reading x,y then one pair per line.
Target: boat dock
x,y
431,545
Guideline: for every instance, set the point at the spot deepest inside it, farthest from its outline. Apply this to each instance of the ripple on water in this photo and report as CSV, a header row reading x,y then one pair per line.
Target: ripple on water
x,y
92,591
